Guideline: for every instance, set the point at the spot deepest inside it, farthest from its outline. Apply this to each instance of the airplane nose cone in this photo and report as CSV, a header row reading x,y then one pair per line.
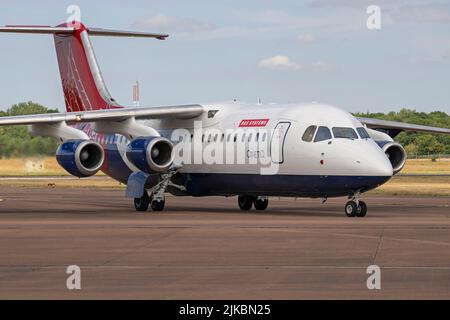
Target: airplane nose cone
x,y
374,162
379,163
385,169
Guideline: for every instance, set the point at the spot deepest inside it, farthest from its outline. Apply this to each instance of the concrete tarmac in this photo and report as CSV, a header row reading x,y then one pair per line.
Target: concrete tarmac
x,y
205,248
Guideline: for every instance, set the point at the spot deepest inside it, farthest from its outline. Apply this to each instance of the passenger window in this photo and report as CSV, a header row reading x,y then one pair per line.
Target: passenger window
x,y
309,134
323,134
363,133
345,133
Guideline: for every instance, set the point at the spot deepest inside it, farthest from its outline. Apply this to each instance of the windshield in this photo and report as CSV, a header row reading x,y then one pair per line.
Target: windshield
x,y
309,134
363,133
323,134
345,133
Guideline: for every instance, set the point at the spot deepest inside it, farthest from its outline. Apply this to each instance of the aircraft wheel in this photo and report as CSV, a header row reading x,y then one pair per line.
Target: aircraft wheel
x,y
261,203
245,202
362,210
158,205
141,204
351,209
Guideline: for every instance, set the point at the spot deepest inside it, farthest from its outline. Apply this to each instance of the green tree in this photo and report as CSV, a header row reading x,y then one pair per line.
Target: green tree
x,y
25,108
16,141
429,144
412,148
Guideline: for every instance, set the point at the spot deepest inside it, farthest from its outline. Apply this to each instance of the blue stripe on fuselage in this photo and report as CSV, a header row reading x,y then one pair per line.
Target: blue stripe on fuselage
x,y
199,184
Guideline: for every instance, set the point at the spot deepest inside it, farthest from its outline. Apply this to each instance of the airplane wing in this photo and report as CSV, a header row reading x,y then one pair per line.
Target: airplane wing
x,y
394,128
141,113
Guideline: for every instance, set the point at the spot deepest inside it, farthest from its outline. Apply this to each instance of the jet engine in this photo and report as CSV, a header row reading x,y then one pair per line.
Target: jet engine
x,y
151,154
396,154
81,158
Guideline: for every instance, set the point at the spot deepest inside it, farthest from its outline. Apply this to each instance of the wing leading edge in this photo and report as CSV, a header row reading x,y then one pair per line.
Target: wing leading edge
x,y
142,113
393,127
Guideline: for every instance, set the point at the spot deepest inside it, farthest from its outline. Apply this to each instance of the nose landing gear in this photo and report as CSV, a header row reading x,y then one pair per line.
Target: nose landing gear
x,y
355,207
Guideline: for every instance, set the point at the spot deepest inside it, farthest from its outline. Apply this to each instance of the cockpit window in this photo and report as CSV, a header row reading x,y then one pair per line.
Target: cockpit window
x,y
323,134
345,133
309,134
363,133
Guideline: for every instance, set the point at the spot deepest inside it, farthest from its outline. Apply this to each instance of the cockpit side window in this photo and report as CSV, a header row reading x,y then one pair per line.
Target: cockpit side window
x,y
345,133
323,134
309,134
363,133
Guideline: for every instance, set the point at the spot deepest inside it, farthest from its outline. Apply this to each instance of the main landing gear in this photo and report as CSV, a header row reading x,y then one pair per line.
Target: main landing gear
x,y
157,203
247,202
157,200
356,208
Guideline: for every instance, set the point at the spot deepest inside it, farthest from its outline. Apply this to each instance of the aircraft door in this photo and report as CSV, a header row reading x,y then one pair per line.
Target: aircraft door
x,y
277,142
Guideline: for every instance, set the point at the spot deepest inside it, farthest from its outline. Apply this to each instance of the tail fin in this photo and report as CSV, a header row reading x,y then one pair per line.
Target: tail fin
x,y
82,80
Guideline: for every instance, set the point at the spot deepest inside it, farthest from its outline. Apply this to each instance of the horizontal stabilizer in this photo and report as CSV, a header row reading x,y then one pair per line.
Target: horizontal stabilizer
x,y
71,30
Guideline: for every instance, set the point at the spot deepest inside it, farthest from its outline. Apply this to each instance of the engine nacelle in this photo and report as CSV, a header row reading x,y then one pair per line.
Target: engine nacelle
x,y
395,153
81,158
151,154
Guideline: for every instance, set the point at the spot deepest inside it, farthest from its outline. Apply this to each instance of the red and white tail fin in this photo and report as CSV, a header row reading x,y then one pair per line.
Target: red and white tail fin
x,y
82,80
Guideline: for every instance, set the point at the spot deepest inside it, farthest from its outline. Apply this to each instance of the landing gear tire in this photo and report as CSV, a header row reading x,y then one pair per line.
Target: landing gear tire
x,y
362,210
351,209
158,205
261,204
141,204
245,202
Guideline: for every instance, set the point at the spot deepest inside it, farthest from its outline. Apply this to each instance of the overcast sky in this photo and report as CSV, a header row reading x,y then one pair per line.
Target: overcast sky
x,y
279,51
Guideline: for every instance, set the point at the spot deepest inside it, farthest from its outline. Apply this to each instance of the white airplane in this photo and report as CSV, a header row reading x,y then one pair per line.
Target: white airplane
x,y
252,151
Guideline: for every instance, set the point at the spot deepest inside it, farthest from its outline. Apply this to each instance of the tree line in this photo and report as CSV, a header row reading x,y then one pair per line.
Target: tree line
x,y
18,142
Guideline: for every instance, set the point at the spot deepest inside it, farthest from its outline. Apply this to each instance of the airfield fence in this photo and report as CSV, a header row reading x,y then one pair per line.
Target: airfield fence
x,y
436,156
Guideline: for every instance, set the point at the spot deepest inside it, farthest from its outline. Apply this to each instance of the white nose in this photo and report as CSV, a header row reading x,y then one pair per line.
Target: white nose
x,y
385,168
376,161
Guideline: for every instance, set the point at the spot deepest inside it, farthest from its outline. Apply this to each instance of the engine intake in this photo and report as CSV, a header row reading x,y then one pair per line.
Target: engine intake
x,y
81,158
151,154
396,154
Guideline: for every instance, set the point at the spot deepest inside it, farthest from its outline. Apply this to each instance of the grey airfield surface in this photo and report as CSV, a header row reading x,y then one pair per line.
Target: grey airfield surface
x,y
205,248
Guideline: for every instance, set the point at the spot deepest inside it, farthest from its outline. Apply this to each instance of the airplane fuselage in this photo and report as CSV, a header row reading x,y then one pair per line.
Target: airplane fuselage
x,y
328,168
